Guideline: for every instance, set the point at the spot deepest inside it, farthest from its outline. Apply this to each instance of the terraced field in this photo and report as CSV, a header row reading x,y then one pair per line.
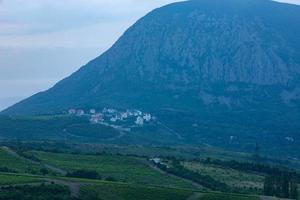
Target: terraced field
x,y
12,163
10,179
131,177
231,177
35,192
127,192
122,168
221,196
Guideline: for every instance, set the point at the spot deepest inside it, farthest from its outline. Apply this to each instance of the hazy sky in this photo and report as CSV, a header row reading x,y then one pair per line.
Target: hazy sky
x,y
42,41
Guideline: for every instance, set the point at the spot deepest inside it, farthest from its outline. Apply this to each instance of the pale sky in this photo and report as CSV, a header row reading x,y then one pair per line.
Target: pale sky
x,y
43,41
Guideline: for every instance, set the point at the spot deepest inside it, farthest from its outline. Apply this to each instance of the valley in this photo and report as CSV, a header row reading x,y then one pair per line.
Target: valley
x,y
106,174
163,129
196,100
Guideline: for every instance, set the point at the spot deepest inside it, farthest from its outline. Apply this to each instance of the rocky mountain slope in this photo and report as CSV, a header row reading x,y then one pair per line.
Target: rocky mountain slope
x,y
219,72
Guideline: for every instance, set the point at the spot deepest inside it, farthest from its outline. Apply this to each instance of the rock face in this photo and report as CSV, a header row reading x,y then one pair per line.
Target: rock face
x,y
231,67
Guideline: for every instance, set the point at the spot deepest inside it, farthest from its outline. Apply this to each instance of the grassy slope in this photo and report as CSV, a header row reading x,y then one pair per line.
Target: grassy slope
x,y
35,192
220,196
129,169
185,152
122,168
103,190
11,179
126,192
17,164
57,127
231,177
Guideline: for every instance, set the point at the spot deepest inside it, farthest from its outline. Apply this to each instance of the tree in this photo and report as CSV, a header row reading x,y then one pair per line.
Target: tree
x,y
84,174
281,185
268,186
294,190
256,155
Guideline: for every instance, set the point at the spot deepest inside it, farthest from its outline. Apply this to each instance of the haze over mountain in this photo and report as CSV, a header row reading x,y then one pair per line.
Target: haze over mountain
x,y
219,72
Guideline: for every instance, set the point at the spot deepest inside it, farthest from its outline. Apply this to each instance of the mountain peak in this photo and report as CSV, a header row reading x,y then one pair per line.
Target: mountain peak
x,y
183,46
229,66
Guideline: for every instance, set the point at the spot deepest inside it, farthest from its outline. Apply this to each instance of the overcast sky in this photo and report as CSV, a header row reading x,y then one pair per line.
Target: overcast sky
x,y
42,41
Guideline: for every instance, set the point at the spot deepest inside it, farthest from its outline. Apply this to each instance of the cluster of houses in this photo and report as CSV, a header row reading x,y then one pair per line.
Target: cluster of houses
x,y
109,115
76,112
159,161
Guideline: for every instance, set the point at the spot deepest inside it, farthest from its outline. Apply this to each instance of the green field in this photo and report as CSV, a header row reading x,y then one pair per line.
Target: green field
x,y
221,196
35,192
122,168
231,177
56,127
127,192
97,190
186,152
10,179
130,177
16,164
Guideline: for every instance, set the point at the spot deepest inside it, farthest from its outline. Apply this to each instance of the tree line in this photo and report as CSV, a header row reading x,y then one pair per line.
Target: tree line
x,y
279,181
207,181
281,185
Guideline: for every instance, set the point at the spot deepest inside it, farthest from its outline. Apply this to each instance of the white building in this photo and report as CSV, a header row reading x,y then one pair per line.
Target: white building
x,y
96,118
137,113
72,111
113,119
147,117
111,111
129,113
156,160
124,115
80,112
139,121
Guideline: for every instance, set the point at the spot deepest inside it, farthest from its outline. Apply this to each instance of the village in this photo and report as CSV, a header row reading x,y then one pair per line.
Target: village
x,y
124,120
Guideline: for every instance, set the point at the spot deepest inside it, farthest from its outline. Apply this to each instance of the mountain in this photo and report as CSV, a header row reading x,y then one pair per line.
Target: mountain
x,y
217,72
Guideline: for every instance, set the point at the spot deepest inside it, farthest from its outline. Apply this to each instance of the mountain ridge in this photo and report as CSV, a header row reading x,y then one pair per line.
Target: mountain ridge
x,y
210,70
266,73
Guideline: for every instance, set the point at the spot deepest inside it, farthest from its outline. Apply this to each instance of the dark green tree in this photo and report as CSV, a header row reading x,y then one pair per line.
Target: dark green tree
x,y
294,190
